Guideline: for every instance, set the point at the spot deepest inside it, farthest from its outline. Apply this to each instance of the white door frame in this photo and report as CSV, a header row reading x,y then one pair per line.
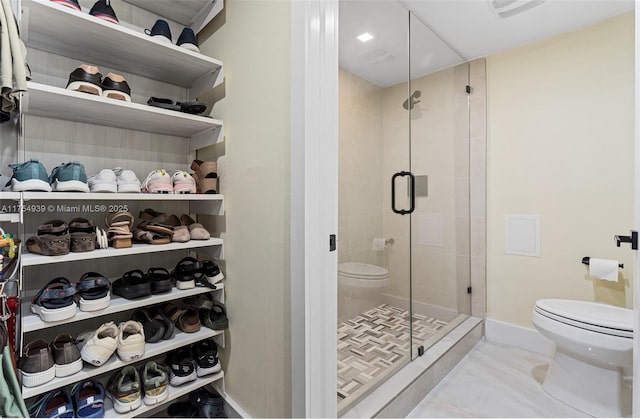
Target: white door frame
x,y
314,206
636,282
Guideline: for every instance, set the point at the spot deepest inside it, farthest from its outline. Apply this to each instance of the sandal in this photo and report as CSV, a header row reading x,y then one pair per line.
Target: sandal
x,y
119,229
52,239
169,326
160,280
196,230
93,289
54,301
150,237
212,272
217,317
154,221
133,284
153,329
186,272
189,321
180,232
206,176
83,235
163,103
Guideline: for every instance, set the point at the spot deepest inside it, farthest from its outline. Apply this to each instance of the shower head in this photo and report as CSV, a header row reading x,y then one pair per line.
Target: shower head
x,y
412,100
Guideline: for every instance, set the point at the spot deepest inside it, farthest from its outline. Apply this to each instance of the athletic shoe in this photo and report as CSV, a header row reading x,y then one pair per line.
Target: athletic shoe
x,y
160,31
206,355
29,176
73,4
98,346
53,404
105,181
183,182
69,177
88,398
182,366
158,181
36,364
127,181
155,381
103,10
66,355
130,340
86,79
125,390
114,86
188,40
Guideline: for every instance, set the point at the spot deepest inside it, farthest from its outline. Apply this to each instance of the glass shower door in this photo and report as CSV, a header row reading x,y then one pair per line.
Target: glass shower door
x,y
439,154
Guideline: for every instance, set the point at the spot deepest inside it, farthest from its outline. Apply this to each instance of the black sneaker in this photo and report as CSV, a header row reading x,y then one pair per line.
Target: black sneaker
x,y
160,31
182,366
206,355
73,4
209,405
188,40
103,10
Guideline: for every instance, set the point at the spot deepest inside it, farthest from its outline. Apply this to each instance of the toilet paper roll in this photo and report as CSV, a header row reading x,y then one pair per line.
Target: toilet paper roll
x,y
606,269
378,244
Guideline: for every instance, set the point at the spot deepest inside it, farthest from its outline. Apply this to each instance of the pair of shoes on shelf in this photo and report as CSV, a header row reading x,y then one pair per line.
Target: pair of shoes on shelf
x,y
119,229
190,271
101,9
55,301
136,284
159,181
127,339
87,79
41,362
206,176
193,361
128,387
162,32
32,176
115,181
85,401
185,318
192,107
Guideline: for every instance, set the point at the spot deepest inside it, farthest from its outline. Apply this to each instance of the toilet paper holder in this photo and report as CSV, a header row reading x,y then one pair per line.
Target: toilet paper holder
x,y
585,261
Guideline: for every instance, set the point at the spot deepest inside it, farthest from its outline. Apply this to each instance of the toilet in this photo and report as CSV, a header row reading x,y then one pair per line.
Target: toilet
x,y
360,287
593,344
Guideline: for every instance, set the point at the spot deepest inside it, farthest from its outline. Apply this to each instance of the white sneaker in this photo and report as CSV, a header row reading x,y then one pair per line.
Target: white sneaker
x,y
183,182
127,181
105,181
158,181
97,346
130,340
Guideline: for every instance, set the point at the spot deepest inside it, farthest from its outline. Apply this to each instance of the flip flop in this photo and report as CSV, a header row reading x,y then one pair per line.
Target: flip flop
x,y
192,107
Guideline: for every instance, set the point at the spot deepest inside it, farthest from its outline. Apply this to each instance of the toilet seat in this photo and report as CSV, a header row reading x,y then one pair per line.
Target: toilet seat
x,y
595,317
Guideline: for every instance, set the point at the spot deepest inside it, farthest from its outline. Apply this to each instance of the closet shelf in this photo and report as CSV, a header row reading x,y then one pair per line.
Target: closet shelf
x,y
95,196
9,217
32,322
63,31
193,13
30,259
57,103
9,196
174,393
151,350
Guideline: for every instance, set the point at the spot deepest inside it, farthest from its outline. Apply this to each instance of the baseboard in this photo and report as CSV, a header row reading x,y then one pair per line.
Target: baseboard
x,y
518,336
425,309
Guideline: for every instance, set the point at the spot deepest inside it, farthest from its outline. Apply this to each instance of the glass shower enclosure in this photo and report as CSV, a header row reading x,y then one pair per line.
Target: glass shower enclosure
x,y
403,221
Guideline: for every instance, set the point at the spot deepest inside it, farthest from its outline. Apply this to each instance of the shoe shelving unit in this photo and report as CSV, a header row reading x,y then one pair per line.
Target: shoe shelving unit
x,y
60,31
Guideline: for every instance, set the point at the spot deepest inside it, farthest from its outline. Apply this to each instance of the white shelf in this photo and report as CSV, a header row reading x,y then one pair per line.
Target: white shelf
x,y
30,259
9,196
9,217
63,31
174,393
193,13
57,103
95,196
32,322
151,350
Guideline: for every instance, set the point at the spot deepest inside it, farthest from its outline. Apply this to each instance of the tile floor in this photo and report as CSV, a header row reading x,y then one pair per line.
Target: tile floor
x,y
494,381
370,344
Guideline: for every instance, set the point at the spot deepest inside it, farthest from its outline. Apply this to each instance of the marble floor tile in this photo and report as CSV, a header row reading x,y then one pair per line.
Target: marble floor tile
x,y
494,381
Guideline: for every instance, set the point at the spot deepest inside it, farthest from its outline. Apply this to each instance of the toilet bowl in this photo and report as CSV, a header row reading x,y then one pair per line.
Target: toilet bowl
x,y
360,287
593,344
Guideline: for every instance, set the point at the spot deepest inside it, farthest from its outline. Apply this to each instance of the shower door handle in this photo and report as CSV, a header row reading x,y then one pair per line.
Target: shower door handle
x,y
412,193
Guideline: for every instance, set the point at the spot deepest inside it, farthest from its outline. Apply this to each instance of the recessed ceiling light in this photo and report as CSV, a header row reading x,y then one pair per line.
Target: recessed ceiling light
x,y
365,37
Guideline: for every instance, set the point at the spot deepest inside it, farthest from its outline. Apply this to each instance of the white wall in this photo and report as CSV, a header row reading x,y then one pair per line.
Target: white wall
x,y
254,44
560,121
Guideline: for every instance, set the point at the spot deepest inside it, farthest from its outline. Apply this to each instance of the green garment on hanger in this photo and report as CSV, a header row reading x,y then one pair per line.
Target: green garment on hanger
x,y
11,402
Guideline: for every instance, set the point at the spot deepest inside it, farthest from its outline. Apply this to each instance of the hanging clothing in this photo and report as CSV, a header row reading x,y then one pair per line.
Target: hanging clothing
x,y
14,71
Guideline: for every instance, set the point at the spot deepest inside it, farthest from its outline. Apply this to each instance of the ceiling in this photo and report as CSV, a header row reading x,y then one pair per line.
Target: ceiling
x,y
455,31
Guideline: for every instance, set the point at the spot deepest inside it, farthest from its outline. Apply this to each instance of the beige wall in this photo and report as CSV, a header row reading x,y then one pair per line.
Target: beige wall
x,y
254,45
360,179
560,115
